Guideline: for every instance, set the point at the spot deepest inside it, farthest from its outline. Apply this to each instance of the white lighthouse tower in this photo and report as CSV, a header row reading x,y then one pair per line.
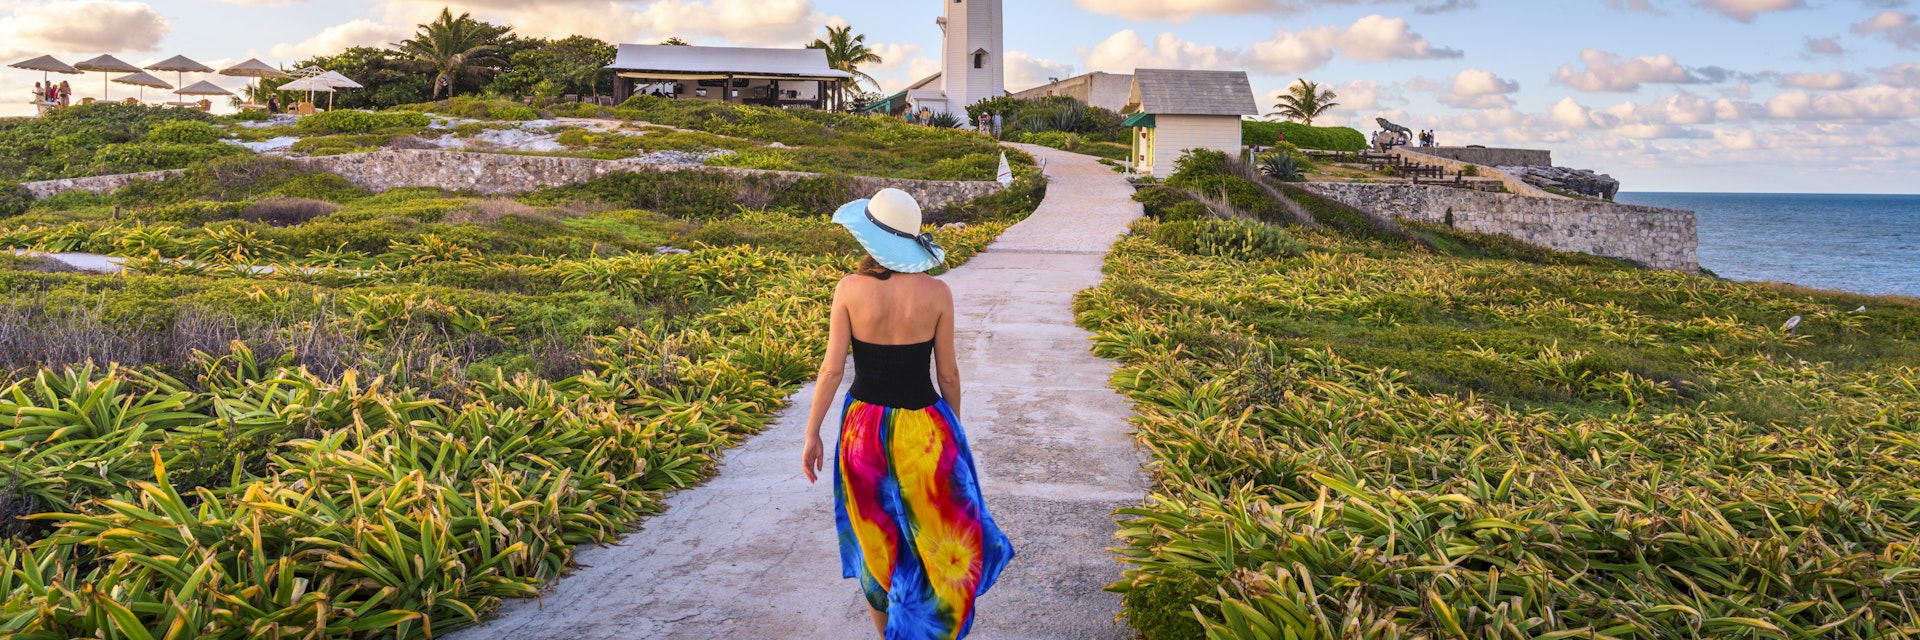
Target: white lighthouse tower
x,y
973,59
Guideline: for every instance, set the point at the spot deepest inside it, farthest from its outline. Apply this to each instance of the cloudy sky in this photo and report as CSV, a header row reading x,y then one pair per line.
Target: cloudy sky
x,y
1669,95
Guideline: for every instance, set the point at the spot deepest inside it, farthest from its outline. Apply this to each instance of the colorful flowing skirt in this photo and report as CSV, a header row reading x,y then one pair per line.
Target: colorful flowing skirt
x,y
913,526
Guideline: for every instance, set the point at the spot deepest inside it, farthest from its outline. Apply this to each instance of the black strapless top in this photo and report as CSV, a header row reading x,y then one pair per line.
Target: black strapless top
x,y
893,375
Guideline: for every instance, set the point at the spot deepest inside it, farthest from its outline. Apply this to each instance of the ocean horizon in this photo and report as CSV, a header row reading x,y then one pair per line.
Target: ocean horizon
x,y
1859,243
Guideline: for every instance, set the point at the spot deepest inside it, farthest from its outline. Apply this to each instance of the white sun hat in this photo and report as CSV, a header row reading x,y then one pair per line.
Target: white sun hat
x,y
888,226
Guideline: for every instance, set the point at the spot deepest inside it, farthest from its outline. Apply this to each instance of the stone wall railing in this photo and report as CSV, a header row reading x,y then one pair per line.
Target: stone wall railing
x,y
1653,237
97,184
1486,157
1513,183
502,174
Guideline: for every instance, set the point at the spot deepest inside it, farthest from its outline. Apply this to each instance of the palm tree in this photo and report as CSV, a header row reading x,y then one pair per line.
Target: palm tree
x,y
846,52
454,49
677,42
1304,101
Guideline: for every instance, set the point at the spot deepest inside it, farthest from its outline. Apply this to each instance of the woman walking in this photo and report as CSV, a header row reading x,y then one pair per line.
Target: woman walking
x,y
913,526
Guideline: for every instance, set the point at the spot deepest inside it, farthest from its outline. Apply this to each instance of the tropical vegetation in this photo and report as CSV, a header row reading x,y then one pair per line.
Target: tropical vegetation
x,y
312,411
848,52
1267,134
1366,429
455,50
1304,101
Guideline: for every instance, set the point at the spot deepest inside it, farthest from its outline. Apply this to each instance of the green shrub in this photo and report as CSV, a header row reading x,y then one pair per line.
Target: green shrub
x,y
1266,134
184,132
514,112
66,143
1236,239
1011,204
1162,608
1282,167
244,115
285,212
973,166
347,121
192,212
141,157
1470,171
819,195
14,199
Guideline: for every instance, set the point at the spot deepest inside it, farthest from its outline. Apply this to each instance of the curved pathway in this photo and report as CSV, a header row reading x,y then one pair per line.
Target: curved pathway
x,y
753,554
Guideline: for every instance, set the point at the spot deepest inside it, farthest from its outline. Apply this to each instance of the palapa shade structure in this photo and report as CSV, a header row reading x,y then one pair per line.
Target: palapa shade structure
x,y
254,68
201,88
309,85
143,80
106,64
337,81
180,66
46,65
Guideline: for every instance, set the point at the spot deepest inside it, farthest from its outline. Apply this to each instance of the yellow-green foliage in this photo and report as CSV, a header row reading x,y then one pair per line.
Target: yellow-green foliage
x,y
1368,442
418,407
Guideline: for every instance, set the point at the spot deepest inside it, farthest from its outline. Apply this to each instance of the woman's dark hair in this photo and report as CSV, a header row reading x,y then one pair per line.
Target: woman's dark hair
x,y
871,268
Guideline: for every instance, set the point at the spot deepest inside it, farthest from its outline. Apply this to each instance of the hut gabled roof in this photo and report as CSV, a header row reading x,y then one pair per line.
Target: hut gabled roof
x,y
1192,93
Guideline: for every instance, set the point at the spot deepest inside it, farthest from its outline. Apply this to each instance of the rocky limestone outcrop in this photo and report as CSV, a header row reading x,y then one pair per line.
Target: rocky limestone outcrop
x,y
1575,181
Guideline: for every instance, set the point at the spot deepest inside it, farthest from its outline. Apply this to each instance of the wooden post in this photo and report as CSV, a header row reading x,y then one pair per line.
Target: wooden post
x,y
728,91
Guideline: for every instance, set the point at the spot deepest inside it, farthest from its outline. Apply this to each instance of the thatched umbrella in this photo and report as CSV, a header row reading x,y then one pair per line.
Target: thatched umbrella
x,y
254,68
143,80
106,64
180,66
47,66
201,88
337,81
309,85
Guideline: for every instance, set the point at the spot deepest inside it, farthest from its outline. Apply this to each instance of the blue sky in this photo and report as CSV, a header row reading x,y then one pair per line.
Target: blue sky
x,y
1668,95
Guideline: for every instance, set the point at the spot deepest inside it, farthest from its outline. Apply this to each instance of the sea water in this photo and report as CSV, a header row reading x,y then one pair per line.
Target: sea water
x,y
1861,243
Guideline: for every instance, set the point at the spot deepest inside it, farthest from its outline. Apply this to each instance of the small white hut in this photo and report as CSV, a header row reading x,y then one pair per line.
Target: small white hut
x,y
1172,111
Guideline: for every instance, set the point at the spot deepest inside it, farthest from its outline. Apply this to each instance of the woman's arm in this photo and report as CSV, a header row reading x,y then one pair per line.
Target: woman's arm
x,y
947,367
833,369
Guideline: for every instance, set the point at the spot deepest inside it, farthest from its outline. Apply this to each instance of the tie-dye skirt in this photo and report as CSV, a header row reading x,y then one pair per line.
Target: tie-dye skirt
x,y
913,526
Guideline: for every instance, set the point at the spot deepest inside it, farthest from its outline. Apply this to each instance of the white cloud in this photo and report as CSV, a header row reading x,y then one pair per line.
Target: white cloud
x,y
1747,10
1829,81
1607,72
1125,51
740,22
893,57
1901,29
1025,71
1372,38
1871,103
337,38
1184,10
1829,47
80,27
1904,75
1477,89
1377,37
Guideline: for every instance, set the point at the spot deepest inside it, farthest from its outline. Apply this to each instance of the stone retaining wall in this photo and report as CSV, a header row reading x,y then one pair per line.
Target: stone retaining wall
x,y
1493,157
97,184
1654,237
1513,183
500,174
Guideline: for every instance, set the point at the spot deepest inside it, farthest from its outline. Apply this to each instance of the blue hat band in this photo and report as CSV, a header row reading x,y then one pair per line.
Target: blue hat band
x,y
925,240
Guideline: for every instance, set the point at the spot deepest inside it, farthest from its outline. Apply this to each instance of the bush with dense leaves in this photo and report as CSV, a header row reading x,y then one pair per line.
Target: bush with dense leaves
x,y
184,132
69,143
1236,239
14,199
281,211
1266,134
347,121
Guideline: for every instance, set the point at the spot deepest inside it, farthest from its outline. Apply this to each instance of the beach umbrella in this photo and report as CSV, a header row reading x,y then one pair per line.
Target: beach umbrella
x,y
337,81
143,80
47,66
180,66
201,88
309,85
106,64
254,68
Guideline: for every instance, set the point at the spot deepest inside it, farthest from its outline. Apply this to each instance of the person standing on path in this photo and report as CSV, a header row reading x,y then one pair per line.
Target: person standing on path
x,y
907,503
997,121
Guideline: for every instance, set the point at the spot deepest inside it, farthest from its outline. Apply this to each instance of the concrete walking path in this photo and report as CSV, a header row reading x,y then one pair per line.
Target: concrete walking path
x,y
753,553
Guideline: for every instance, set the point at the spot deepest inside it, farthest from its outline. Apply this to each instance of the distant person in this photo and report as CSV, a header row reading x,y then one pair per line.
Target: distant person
x,y
66,94
907,115
996,124
39,93
984,123
926,116
273,104
913,524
